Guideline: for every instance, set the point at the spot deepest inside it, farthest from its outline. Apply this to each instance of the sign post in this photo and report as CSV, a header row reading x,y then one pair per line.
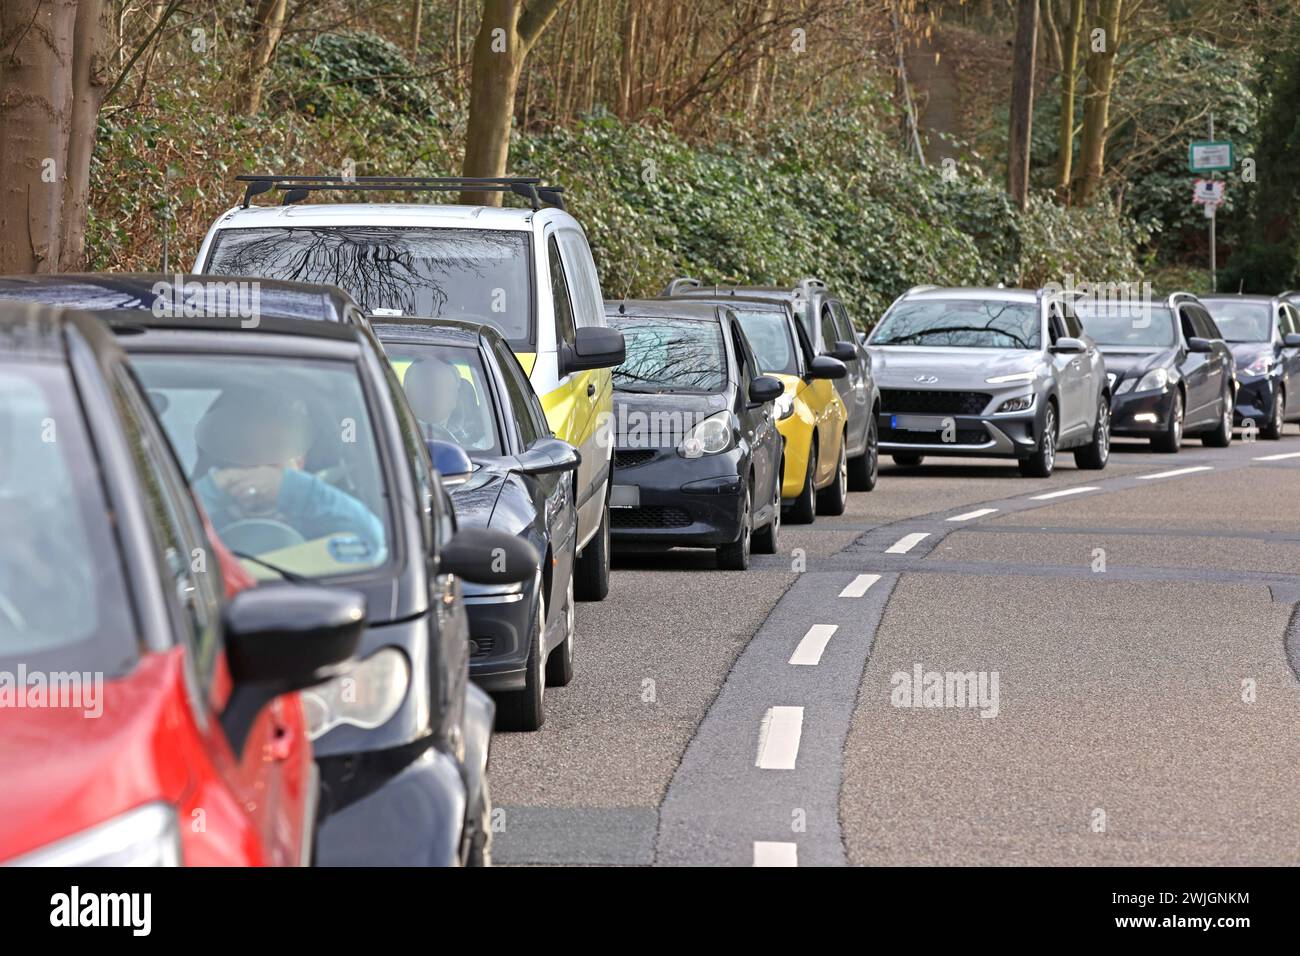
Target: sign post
x,y
1210,156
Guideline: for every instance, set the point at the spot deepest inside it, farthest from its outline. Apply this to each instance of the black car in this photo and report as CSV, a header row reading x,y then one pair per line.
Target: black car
x,y
697,455
466,386
402,741
831,331
1170,372
1264,334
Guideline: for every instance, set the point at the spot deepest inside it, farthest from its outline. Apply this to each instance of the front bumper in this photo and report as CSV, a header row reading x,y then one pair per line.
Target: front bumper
x,y
687,502
500,627
978,436
1255,397
1141,414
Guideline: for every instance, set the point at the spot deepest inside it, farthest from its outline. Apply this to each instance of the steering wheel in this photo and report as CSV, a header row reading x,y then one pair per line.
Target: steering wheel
x,y
259,535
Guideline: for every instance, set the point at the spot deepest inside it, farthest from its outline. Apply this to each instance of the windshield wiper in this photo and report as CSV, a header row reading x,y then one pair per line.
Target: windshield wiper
x,y
287,575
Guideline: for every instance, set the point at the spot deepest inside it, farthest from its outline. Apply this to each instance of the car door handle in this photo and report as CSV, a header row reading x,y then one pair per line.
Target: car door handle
x,y
591,389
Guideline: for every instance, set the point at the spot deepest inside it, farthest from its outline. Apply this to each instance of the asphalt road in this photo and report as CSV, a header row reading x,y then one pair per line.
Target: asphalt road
x,y
957,671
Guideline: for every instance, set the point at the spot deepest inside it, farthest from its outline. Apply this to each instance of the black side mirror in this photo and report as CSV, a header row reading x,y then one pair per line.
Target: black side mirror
x,y
844,351
282,638
1291,340
594,347
765,389
1196,344
827,366
548,456
1068,346
488,557
450,461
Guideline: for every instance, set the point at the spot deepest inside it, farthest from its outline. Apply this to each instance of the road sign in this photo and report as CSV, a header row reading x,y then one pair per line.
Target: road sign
x,y
1208,155
1208,192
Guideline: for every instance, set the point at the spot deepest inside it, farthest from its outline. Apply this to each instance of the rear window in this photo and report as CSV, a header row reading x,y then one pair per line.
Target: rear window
x,y
670,355
477,275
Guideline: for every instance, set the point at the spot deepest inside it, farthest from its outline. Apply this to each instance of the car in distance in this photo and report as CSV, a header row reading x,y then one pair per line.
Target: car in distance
x,y
831,332
466,386
1003,373
1263,333
526,271
697,459
1171,374
175,706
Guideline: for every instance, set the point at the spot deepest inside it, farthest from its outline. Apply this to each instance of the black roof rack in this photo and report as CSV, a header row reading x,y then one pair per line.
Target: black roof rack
x,y
298,188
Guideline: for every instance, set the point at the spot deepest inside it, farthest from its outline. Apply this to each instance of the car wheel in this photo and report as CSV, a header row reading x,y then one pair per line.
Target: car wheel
x,y
559,666
802,511
832,499
1221,437
1096,453
735,556
907,460
1273,429
525,709
765,539
591,572
865,469
1172,438
1043,461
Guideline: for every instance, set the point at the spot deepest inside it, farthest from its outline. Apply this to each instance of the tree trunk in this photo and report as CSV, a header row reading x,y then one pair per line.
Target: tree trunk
x,y
1100,72
417,14
627,62
1069,85
1055,56
54,62
1024,57
268,24
508,31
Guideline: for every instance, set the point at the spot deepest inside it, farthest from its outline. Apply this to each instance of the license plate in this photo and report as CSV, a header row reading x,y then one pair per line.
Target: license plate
x,y
919,423
625,496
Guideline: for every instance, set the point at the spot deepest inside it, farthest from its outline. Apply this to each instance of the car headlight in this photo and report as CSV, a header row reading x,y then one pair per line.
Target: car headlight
x,y
784,405
709,437
367,696
1261,366
1014,377
147,836
1022,403
1154,380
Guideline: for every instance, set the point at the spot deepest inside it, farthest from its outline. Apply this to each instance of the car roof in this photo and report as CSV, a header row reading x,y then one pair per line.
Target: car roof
x,y
397,214
728,299
661,308
433,331
1237,298
137,291
124,322
996,295
33,330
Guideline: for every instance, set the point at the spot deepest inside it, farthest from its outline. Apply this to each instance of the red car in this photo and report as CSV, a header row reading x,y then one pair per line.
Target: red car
x,y
148,708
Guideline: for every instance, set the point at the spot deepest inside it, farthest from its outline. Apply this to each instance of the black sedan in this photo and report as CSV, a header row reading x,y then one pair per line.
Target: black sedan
x,y
1170,372
1264,334
466,386
697,457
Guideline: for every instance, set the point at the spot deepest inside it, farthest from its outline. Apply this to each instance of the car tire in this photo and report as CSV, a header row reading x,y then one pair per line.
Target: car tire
x,y
1094,455
1272,431
833,499
1171,439
765,539
906,460
803,509
1042,462
591,571
864,470
526,709
735,556
1221,437
559,665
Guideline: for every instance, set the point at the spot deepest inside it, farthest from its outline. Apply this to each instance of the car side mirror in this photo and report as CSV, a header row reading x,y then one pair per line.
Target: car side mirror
x,y
1196,344
844,351
764,389
548,456
281,638
1068,346
450,461
1291,340
595,346
488,557
827,366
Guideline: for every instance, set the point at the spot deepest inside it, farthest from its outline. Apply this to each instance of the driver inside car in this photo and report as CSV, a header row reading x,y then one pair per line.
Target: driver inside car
x,y
433,388
252,446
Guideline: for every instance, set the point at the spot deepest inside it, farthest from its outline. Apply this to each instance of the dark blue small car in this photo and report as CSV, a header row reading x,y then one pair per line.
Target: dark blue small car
x,y
1264,335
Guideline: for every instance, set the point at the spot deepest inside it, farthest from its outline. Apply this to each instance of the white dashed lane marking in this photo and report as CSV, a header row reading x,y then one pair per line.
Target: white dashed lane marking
x,y
1176,472
860,585
907,542
778,738
1290,454
978,513
809,651
775,854
1063,492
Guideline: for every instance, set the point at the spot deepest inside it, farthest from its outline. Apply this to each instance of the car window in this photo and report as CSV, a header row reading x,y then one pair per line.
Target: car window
x,y
668,354
1117,325
533,405
1209,328
844,323
1243,320
518,391
584,285
770,338
561,300
1292,320
1188,326
961,323
447,389
829,334
746,361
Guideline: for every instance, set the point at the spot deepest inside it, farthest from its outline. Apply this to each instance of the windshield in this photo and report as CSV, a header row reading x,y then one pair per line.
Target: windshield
x,y
1145,326
282,454
769,336
1243,321
961,323
447,388
478,275
670,355
63,599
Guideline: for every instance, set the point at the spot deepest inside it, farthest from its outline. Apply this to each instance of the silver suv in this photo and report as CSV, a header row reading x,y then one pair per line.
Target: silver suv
x,y
1003,373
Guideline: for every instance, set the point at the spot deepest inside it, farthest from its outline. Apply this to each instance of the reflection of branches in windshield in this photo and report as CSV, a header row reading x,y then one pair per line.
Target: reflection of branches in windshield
x,y
667,361
985,334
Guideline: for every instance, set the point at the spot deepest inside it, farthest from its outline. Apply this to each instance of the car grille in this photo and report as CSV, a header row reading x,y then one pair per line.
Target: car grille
x,y
652,516
631,457
964,436
930,402
481,646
